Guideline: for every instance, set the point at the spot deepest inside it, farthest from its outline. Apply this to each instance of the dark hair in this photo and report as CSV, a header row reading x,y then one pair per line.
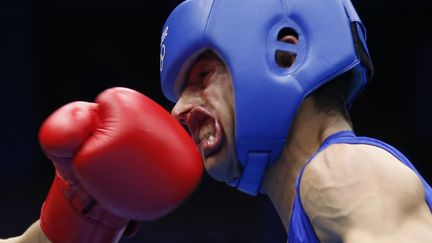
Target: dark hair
x,y
331,97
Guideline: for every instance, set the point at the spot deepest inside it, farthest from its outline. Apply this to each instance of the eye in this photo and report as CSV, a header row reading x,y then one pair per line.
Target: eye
x,y
202,71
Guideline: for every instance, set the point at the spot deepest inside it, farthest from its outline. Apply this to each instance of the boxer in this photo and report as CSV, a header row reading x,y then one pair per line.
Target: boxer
x,y
265,88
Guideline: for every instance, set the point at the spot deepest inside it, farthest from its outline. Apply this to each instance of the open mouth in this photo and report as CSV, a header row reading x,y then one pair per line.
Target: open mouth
x,y
206,131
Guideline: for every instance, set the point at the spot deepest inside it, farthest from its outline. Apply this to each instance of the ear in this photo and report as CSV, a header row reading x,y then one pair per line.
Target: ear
x,y
286,59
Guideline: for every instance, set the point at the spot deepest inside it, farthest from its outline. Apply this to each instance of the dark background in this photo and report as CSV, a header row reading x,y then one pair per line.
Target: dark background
x,y
54,52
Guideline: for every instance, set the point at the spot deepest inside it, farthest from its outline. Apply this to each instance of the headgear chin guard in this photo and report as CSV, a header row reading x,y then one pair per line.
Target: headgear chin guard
x,y
245,34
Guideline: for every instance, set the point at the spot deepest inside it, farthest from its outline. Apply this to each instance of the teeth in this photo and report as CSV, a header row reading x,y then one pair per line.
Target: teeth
x,y
208,137
207,132
211,138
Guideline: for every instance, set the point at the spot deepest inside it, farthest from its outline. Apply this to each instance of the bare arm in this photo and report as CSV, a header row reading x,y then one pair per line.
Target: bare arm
x,y
360,193
33,234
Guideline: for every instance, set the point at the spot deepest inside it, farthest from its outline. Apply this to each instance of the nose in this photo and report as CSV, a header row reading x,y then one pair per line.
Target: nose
x,y
190,98
181,110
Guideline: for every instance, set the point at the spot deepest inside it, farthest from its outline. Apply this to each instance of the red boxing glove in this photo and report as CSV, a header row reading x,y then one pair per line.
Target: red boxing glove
x,y
121,158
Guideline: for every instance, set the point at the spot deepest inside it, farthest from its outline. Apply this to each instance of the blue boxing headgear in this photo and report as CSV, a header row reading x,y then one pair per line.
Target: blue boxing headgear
x,y
244,33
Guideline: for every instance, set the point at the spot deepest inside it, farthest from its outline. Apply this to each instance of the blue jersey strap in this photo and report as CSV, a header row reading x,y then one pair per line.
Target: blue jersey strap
x,y
300,228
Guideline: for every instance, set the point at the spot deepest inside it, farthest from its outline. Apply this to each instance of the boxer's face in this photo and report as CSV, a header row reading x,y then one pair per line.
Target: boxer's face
x,y
206,107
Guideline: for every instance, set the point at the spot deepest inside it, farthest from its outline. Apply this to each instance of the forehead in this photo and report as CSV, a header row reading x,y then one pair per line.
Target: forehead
x,y
205,57
208,55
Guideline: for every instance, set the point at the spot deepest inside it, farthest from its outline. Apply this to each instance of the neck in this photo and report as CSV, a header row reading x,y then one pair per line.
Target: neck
x,y
309,129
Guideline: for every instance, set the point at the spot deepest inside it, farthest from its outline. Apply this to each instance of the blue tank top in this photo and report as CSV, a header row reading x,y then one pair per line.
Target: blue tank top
x,y
300,228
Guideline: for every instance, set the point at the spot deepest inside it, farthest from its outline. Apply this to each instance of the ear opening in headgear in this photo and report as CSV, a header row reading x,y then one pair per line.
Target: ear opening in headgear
x,y
283,58
287,31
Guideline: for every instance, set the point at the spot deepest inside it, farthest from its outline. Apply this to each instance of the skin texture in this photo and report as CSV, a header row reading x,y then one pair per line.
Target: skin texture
x,y
33,234
361,193
209,87
351,193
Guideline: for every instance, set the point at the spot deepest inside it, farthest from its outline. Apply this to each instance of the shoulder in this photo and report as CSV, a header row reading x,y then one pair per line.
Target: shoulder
x,y
360,168
347,183
357,162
